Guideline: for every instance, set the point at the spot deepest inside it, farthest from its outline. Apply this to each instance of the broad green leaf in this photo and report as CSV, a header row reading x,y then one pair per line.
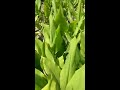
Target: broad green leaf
x,y
72,26
52,30
82,44
72,10
69,66
62,49
48,53
38,3
37,61
58,3
37,87
61,61
79,37
46,87
78,62
82,59
52,69
38,46
83,25
54,7
60,20
51,85
36,18
40,80
78,80
46,8
79,25
54,85
57,42
79,9
69,16
68,48
57,32
61,55
46,33
68,37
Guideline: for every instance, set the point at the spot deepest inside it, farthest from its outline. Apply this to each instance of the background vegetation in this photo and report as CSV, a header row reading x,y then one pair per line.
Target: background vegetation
x,y
60,45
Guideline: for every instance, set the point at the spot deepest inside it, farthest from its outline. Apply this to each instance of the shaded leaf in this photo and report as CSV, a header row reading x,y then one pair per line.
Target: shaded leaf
x,y
37,61
46,8
72,26
40,80
58,40
37,87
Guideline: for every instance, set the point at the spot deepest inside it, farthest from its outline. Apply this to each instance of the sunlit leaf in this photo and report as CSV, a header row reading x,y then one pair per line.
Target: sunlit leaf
x,y
78,77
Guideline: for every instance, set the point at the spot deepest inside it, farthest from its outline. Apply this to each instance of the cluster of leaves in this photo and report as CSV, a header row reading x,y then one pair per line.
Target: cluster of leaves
x,y
60,54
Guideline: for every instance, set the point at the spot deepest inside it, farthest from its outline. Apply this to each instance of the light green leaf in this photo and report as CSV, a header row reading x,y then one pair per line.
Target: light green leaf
x,y
78,62
68,37
79,37
48,53
46,33
52,30
52,69
38,3
71,9
54,7
69,16
54,85
61,61
69,66
82,44
36,18
47,87
79,9
60,20
78,80
51,85
79,25
39,46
